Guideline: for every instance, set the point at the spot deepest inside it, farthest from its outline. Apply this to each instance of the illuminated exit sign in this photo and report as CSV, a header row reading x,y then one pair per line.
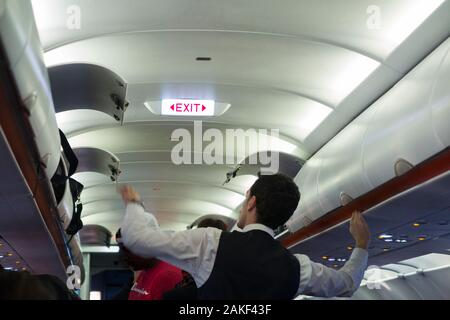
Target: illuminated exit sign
x,y
187,107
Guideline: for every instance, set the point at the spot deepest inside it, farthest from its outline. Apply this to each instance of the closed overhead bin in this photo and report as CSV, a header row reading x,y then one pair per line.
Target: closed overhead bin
x,y
406,126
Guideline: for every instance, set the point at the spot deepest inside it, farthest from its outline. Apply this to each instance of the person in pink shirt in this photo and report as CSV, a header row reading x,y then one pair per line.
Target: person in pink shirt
x,y
153,277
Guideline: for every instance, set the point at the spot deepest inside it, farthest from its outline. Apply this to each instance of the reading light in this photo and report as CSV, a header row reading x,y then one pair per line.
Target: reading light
x,y
416,225
385,236
422,238
324,257
9,254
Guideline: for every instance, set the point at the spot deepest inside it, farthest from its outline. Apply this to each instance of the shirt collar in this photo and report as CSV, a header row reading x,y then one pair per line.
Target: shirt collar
x,y
258,226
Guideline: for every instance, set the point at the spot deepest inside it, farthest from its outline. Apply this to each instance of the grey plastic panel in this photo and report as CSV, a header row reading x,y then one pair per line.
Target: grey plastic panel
x,y
230,222
288,164
88,86
97,160
95,235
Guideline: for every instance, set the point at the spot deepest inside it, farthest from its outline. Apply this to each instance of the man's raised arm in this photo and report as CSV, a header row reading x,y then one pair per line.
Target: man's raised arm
x,y
321,281
188,250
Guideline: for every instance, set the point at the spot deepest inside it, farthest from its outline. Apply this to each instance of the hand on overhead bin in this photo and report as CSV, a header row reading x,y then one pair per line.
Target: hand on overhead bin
x,y
129,194
360,230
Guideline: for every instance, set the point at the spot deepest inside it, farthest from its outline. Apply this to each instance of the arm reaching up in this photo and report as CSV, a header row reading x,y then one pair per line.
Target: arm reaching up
x,y
322,281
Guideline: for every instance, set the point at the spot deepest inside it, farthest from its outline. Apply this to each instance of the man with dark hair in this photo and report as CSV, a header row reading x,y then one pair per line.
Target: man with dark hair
x,y
275,199
250,264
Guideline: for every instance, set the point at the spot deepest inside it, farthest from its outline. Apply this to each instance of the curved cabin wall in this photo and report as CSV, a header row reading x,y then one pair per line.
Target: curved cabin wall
x,y
23,49
406,126
20,41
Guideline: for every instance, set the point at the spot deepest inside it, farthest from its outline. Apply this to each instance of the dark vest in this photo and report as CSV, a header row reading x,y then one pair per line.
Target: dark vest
x,y
251,266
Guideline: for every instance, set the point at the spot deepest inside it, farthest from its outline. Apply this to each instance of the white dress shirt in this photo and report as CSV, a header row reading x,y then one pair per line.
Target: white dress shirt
x,y
195,252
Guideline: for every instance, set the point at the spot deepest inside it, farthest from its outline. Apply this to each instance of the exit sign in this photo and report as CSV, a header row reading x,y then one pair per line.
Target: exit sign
x,y
187,107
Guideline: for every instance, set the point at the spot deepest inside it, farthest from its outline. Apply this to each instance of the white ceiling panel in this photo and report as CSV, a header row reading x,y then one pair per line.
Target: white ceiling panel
x,y
340,22
305,67
249,59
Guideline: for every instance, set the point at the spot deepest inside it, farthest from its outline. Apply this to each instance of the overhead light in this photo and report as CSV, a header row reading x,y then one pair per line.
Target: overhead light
x,y
9,254
17,262
388,240
349,248
421,238
386,249
385,236
100,249
1,256
325,258
95,295
331,259
416,225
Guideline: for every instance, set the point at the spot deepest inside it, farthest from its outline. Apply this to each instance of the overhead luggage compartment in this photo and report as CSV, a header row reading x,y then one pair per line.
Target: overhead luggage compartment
x,y
20,39
406,126
87,86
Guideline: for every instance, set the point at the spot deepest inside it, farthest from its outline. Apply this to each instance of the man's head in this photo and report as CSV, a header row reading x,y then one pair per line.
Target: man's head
x,y
135,262
271,201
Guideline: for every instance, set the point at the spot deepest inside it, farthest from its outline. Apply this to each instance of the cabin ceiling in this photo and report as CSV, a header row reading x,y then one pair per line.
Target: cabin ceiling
x,y
304,67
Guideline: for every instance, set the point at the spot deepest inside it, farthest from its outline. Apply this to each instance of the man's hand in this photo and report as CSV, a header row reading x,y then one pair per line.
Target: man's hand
x,y
129,194
360,230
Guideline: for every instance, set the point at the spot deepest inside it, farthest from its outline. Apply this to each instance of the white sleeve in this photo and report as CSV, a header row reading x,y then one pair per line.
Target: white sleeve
x,y
191,250
321,281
